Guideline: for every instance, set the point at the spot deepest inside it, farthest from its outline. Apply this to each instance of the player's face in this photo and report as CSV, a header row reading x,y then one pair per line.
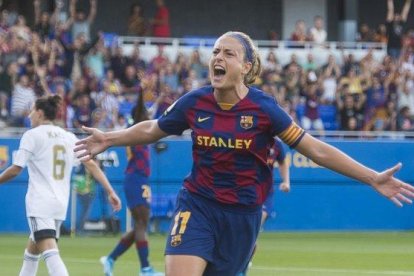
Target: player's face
x,y
227,66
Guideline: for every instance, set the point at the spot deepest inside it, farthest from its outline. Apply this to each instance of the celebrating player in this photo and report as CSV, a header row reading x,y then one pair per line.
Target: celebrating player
x,y
219,209
47,150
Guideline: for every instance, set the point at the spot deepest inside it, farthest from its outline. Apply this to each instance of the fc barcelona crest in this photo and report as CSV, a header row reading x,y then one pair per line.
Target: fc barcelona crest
x,y
175,240
246,122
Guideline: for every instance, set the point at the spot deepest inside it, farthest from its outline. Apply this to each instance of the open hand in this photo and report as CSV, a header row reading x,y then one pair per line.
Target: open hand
x,y
114,201
394,189
92,145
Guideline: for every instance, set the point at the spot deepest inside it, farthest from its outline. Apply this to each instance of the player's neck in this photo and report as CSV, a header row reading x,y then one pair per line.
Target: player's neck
x,y
45,122
232,95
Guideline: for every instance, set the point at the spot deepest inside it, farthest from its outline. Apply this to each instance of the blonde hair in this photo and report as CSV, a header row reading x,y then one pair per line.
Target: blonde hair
x,y
251,54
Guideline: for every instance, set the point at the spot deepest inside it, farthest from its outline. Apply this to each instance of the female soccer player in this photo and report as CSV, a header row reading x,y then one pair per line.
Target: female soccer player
x,y
138,196
218,211
47,150
276,154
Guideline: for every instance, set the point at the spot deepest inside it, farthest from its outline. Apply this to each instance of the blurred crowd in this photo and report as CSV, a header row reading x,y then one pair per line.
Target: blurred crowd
x,y
100,84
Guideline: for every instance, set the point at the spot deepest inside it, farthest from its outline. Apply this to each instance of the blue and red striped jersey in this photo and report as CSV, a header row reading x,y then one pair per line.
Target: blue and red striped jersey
x,y
138,160
230,147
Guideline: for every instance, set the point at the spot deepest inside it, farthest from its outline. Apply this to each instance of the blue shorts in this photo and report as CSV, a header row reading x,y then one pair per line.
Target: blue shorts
x,y
268,205
222,234
137,191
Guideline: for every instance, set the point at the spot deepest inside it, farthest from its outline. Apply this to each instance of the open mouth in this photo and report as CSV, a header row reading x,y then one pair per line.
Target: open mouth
x,y
219,71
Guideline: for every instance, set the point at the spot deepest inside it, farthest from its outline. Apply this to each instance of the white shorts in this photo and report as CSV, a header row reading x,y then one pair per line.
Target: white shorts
x,y
44,228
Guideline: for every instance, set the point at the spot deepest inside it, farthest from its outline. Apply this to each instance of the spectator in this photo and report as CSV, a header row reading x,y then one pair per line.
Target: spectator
x,y
395,27
95,59
21,30
130,82
23,97
404,121
357,84
161,104
317,32
114,84
83,111
169,77
329,77
44,23
81,23
118,61
197,65
311,118
299,34
108,103
8,79
381,34
136,22
271,63
160,60
161,22
182,66
136,60
349,106
365,34
310,64
405,92
75,54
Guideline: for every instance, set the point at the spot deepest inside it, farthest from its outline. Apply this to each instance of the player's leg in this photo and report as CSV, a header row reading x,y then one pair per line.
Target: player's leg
x,y
121,247
190,243
140,214
31,260
44,233
264,217
231,256
266,209
139,205
183,265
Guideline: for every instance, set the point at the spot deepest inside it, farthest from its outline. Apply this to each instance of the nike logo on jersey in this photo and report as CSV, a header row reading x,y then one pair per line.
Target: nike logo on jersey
x,y
200,120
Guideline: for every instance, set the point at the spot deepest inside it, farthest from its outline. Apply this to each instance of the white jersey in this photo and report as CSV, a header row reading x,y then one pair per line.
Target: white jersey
x,y
47,150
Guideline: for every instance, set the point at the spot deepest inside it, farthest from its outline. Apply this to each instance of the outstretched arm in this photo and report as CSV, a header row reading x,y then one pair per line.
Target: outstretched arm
x,y
37,12
92,12
143,133
98,174
332,158
390,11
405,10
72,9
10,173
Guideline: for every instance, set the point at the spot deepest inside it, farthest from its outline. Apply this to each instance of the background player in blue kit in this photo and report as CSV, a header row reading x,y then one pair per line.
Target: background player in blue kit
x,y
138,196
218,212
276,154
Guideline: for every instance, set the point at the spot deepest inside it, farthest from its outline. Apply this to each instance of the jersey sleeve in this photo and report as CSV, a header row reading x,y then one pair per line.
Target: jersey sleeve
x,y
174,120
21,158
282,124
72,141
26,150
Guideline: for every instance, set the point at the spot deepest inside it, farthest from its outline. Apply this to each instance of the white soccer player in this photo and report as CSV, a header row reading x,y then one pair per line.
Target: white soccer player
x,y
47,151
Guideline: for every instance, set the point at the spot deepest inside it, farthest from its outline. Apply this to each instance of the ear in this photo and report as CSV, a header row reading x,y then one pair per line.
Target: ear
x,y
247,66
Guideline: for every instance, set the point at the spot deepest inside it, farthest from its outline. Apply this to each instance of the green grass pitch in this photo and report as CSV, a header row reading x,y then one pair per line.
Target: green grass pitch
x,y
301,254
